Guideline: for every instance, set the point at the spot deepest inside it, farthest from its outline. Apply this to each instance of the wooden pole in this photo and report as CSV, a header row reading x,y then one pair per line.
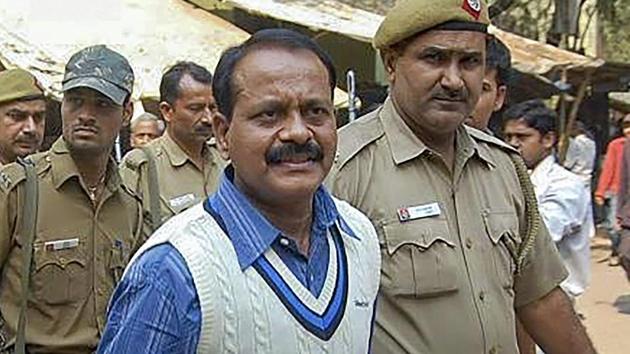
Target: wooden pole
x,y
573,114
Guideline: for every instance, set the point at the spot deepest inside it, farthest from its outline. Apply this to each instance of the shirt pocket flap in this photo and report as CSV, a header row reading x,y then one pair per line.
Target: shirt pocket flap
x,y
420,233
502,223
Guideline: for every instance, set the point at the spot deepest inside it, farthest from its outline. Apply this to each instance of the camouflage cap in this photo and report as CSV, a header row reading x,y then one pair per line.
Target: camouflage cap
x,y
410,17
18,83
101,69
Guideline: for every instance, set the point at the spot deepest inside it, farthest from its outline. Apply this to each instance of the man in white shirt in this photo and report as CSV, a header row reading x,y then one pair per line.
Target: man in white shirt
x,y
581,153
563,201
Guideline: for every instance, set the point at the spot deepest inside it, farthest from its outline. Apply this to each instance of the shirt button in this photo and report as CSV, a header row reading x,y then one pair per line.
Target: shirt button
x,y
482,296
469,243
492,350
284,242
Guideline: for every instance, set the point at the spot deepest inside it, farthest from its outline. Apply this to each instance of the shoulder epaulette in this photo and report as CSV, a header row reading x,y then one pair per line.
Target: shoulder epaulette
x,y
357,135
134,159
13,174
489,139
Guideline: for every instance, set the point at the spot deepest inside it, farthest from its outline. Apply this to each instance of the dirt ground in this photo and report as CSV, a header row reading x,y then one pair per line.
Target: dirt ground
x,y
606,304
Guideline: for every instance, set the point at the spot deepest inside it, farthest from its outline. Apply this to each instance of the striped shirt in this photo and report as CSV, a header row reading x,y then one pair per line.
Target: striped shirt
x,y
155,308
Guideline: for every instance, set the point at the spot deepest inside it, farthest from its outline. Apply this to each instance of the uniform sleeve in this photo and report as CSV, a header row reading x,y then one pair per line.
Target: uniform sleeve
x,y
155,308
8,217
130,176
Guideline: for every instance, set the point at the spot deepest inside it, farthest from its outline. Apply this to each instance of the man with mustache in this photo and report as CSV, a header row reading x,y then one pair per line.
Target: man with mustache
x,y
464,253
270,263
182,167
68,226
22,115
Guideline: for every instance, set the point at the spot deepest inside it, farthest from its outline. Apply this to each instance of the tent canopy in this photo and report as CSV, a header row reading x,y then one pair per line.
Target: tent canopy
x,y
539,65
40,36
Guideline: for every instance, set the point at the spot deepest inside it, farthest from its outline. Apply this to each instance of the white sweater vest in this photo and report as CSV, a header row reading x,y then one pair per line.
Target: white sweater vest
x,y
265,308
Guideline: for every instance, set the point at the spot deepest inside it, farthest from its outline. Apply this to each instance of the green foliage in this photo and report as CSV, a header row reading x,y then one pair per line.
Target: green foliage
x,y
616,35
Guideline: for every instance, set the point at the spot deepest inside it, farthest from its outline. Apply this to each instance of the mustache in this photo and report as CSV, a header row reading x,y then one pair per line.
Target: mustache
x,y
310,149
85,127
441,93
27,138
203,127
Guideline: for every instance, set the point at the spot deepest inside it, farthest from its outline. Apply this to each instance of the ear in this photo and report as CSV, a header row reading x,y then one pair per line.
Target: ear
x,y
549,140
221,130
389,57
167,111
499,100
127,113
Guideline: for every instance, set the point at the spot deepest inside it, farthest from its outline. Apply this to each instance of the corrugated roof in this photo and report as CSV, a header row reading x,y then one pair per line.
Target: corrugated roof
x,y
360,19
40,36
328,15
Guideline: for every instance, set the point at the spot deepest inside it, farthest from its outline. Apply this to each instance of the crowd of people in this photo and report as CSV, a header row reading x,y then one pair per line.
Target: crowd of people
x,y
243,221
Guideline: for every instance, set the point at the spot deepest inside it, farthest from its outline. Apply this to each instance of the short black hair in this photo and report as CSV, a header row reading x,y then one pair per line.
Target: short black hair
x,y
223,85
169,86
499,58
535,114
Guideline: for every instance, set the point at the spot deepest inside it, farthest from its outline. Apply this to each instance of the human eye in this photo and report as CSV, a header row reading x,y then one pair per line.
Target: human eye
x,y
471,61
105,103
433,56
17,115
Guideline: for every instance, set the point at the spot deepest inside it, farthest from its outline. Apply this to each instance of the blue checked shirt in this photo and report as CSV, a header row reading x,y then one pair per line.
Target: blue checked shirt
x,y
155,308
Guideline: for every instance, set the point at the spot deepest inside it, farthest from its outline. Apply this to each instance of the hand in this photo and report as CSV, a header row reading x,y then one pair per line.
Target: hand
x,y
599,200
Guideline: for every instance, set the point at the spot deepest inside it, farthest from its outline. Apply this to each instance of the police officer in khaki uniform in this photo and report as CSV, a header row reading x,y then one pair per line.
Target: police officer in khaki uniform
x,y
463,249
182,167
87,224
22,115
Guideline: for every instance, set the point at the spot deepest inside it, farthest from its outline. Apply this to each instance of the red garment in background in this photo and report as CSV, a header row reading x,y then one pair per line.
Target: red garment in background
x,y
611,171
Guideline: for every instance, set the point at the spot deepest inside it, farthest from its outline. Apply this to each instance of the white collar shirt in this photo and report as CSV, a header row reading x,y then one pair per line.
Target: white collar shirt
x,y
565,208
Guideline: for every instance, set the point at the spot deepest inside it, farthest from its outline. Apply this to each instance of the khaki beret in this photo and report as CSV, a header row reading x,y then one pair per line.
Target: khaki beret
x,y
18,83
409,17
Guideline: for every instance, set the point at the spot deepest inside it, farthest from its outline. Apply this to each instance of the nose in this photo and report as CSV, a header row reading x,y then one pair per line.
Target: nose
x,y
452,77
295,129
29,125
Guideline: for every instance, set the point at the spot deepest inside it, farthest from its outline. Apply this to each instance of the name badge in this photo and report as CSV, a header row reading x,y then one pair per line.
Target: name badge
x,y
182,200
61,244
419,212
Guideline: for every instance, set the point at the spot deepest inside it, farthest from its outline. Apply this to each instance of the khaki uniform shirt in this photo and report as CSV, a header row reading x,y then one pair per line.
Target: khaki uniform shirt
x,y
71,281
182,183
447,279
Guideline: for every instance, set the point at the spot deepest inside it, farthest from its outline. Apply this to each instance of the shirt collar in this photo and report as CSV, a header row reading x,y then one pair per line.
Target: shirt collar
x,y
405,145
543,168
175,154
250,232
63,167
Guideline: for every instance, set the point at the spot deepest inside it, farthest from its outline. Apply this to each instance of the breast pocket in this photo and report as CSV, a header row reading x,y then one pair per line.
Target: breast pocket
x,y
60,277
503,231
419,259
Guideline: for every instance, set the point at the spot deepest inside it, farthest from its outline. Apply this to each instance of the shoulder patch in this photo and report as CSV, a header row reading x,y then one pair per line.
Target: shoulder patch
x,y
489,139
134,159
357,135
11,175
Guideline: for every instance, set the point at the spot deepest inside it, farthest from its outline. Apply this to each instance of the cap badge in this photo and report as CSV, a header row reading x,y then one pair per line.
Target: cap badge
x,y
473,7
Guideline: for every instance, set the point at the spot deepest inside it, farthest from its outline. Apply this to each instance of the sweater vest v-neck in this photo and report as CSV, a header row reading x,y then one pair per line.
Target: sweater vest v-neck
x,y
265,308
